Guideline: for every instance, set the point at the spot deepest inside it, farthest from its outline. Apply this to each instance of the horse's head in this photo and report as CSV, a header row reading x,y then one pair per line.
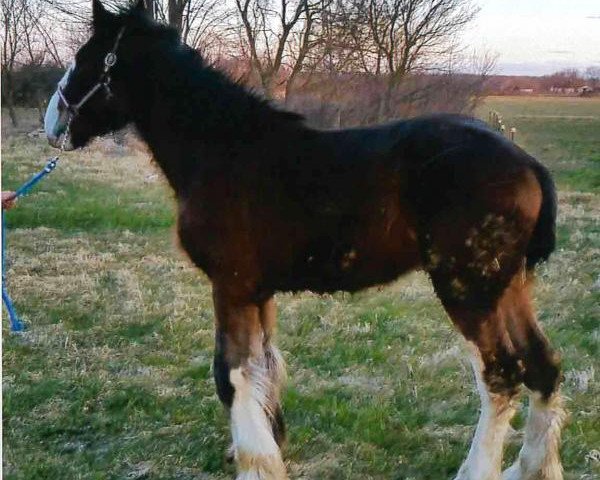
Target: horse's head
x,y
87,96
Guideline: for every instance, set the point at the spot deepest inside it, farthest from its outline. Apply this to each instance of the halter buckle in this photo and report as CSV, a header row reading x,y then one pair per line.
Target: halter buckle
x,y
110,60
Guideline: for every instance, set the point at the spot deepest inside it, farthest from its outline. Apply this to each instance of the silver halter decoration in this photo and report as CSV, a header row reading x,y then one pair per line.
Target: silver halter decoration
x,y
103,82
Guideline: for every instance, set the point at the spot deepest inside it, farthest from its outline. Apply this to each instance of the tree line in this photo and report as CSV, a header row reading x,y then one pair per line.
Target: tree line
x,y
401,55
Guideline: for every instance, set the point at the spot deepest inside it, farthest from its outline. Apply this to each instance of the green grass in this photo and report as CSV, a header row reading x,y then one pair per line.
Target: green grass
x,y
102,203
562,132
114,377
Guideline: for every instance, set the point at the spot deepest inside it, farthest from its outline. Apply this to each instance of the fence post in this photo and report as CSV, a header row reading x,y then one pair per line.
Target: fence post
x,y
497,123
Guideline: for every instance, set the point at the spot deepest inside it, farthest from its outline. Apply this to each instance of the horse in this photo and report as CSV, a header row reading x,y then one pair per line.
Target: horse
x,y
268,204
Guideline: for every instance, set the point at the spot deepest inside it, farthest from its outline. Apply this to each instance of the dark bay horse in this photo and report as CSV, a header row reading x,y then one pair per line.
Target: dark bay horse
x,y
267,204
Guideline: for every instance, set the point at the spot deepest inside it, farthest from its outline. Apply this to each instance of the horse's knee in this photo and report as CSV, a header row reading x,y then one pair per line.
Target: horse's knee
x,y
542,366
502,371
501,367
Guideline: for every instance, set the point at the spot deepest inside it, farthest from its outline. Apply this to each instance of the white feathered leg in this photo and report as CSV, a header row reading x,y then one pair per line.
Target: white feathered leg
x,y
484,461
256,452
539,458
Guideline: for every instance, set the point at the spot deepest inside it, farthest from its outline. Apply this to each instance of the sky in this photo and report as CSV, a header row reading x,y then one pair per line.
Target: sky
x,y
537,37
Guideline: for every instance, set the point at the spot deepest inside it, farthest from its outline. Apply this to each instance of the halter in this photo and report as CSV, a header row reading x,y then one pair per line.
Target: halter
x,y
103,82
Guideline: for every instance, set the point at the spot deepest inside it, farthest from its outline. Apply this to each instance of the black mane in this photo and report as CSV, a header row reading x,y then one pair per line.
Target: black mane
x,y
192,64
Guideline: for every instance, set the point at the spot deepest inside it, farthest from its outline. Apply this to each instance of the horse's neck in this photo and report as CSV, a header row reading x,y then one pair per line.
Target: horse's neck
x,y
188,115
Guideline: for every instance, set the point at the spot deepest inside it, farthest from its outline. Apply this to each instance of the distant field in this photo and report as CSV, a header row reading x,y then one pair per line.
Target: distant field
x,y
113,379
563,132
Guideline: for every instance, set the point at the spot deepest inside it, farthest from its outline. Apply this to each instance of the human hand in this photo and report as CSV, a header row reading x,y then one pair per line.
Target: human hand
x,y
8,200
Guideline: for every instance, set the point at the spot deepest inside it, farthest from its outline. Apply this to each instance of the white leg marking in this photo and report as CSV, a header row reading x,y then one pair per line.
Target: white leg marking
x,y
484,461
539,458
256,453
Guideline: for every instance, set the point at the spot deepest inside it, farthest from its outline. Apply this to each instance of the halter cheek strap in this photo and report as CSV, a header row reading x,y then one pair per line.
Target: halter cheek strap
x,y
103,82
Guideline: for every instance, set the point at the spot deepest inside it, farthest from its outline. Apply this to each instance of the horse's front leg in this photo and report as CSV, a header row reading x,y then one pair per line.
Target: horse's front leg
x,y
248,372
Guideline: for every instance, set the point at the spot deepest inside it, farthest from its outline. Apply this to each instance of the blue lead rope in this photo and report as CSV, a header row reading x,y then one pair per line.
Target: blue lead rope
x,y
16,325
28,185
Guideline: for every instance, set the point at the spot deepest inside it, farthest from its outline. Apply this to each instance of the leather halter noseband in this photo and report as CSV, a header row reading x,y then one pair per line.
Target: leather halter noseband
x,y
103,82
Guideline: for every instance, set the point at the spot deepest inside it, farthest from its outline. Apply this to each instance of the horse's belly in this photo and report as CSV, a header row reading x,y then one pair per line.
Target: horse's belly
x,y
352,268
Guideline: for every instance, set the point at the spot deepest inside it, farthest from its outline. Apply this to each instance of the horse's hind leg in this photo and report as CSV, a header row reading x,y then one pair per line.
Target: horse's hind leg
x,y
475,248
539,458
497,376
510,349
472,258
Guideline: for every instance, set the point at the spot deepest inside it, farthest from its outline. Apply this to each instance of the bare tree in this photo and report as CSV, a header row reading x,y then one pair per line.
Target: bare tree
x,y
345,41
409,35
305,54
592,74
17,25
277,35
317,44
199,22
203,25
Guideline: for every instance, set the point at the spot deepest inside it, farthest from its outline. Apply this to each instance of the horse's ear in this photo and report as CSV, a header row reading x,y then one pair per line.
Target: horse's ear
x,y
100,15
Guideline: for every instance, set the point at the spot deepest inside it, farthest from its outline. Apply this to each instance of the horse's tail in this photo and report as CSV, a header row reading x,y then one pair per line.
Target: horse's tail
x,y
543,238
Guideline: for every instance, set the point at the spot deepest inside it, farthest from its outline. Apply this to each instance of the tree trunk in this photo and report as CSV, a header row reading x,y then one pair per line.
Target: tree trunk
x,y
289,86
12,114
268,84
386,100
41,107
176,8
151,8
9,98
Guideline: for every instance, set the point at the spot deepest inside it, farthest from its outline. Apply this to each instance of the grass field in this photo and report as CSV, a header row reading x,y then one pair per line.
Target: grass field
x,y
564,132
113,378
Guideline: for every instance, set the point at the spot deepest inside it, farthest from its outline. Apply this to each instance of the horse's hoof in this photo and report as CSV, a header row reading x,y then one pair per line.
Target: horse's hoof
x,y
260,467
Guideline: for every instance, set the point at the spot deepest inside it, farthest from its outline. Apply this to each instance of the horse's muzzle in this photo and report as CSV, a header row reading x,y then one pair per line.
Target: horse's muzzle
x,y
55,124
58,142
